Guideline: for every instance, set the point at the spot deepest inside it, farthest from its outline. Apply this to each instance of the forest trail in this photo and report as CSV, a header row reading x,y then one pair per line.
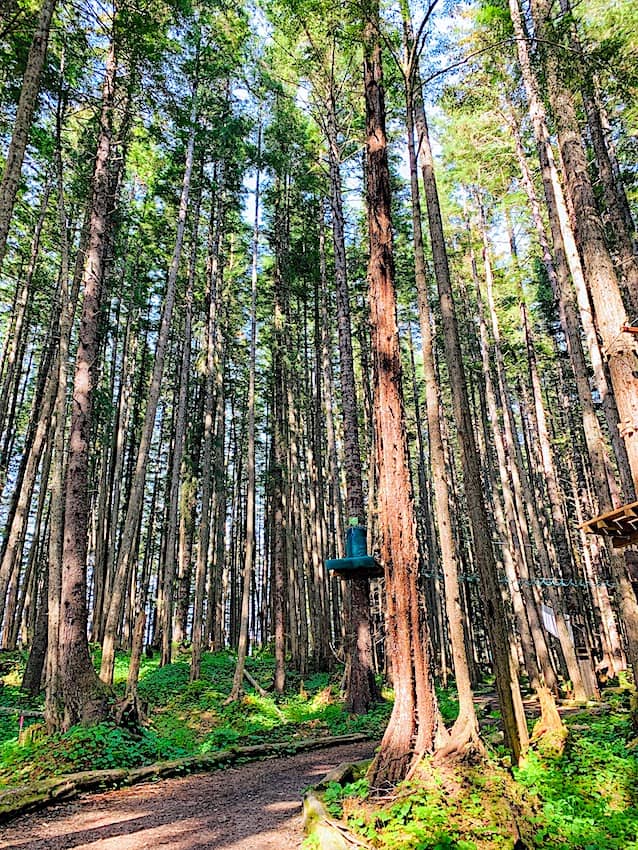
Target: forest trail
x,y
254,806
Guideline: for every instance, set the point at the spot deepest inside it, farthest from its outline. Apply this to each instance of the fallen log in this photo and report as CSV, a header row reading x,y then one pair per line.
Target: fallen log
x,y
252,681
21,711
19,800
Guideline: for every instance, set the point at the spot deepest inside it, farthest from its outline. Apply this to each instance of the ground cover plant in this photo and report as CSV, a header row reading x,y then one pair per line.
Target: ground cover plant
x,y
584,798
183,718
581,799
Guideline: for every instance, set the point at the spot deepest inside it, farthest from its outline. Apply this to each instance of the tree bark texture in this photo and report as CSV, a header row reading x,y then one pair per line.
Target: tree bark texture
x,y
24,117
506,676
412,727
83,697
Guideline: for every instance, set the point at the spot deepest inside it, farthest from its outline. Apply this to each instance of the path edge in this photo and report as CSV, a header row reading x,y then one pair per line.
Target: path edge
x,y
330,834
19,800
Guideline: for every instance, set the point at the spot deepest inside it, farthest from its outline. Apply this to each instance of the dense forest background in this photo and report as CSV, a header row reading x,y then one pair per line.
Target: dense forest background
x,y
198,394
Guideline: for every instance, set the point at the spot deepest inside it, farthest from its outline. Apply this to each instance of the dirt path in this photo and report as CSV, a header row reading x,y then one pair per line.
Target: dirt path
x,y
254,806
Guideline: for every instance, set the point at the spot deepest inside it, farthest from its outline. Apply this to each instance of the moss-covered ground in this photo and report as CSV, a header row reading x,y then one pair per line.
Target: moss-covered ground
x,y
184,718
584,798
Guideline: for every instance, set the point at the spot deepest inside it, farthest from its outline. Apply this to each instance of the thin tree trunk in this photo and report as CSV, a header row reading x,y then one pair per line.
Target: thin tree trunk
x,y
506,677
249,551
165,600
210,430
465,731
24,117
131,522
11,358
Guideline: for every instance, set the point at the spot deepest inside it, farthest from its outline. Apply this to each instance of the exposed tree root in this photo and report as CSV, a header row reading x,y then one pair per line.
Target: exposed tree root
x,y
463,742
393,760
131,712
549,729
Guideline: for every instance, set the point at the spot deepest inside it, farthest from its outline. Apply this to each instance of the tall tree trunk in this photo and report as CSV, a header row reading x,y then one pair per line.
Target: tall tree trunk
x,y
279,488
413,724
506,676
558,274
210,431
602,281
131,522
621,228
24,117
165,600
565,250
80,691
54,711
465,731
249,551
539,668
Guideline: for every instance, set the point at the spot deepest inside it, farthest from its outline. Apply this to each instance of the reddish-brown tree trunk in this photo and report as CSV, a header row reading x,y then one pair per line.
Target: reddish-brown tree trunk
x,y
83,696
412,727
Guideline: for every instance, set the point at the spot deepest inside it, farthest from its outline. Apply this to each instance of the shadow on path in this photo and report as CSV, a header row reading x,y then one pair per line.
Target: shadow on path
x,y
255,806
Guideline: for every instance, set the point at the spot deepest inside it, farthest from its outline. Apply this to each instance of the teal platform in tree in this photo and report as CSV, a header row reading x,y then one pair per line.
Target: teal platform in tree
x,y
357,561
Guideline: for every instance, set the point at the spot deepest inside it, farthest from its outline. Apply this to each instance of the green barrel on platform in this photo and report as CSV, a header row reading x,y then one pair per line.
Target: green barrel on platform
x,y
357,562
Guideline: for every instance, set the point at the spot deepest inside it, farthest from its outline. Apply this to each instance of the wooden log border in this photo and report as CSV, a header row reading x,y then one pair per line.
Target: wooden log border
x,y
19,800
331,834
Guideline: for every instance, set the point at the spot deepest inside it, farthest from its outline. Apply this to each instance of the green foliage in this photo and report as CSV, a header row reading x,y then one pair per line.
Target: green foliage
x,y
336,793
448,704
159,685
589,793
100,747
11,696
583,799
184,718
460,808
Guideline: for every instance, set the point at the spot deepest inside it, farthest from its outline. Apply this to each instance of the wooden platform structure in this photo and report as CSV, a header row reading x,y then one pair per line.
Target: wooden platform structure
x,y
619,525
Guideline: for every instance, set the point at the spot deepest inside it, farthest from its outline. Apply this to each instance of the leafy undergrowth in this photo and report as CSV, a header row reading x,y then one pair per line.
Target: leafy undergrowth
x,y
589,794
184,718
583,799
457,807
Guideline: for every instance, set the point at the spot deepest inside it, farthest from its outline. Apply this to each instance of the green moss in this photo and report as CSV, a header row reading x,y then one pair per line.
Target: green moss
x,y
184,718
581,799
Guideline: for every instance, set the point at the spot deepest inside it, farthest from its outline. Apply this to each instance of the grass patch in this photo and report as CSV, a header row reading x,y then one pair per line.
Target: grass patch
x,y
584,799
589,794
12,666
184,718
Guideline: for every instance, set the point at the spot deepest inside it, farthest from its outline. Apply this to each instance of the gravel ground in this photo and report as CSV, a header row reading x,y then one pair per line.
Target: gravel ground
x,y
254,806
